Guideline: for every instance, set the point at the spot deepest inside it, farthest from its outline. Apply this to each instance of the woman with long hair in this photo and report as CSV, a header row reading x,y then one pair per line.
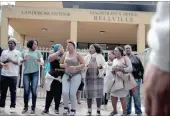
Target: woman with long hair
x,y
94,82
53,79
32,60
73,63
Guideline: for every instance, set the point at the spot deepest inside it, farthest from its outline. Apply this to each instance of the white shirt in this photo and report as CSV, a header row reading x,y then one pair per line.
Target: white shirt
x,y
158,37
13,70
109,75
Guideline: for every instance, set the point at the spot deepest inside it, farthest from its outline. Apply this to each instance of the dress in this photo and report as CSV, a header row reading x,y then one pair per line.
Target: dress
x,y
93,84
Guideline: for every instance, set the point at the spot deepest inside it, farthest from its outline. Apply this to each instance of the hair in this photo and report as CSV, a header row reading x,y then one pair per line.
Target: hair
x,y
71,42
127,46
1,50
121,50
112,52
30,43
98,48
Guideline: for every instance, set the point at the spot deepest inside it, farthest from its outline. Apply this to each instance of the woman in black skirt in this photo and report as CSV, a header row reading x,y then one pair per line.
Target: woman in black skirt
x,y
53,79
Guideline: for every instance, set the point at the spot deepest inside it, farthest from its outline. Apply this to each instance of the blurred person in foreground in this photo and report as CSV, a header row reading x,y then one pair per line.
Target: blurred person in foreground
x,y
157,74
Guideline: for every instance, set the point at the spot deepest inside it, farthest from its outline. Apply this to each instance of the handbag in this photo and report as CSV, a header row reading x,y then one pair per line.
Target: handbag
x,y
128,80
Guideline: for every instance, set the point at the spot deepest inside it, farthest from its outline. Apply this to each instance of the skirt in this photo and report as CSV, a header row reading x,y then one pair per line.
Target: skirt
x,y
120,93
94,88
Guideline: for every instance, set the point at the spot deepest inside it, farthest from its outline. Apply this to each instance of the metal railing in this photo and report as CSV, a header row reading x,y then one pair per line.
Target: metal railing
x,y
41,92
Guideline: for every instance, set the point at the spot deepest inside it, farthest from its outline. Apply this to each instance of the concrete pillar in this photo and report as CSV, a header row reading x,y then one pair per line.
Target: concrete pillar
x,y
141,38
4,32
73,32
20,38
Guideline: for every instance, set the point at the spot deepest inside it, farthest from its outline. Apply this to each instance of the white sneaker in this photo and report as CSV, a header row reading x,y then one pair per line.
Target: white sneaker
x,y
105,107
66,112
12,110
72,113
2,110
102,107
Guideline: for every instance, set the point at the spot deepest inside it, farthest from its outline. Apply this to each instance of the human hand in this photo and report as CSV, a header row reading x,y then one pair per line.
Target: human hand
x,y
100,67
27,57
9,60
5,66
157,91
38,60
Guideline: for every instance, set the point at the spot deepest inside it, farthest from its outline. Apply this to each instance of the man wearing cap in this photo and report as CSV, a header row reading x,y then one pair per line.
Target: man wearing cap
x,y
12,58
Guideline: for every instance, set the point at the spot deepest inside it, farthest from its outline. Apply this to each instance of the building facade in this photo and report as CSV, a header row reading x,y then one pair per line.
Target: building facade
x,y
107,23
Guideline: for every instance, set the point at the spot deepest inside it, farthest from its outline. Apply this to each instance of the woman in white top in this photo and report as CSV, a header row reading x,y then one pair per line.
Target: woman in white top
x,y
108,76
118,90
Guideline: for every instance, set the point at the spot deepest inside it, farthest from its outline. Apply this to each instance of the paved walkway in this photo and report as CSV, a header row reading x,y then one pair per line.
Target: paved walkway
x,y
81,109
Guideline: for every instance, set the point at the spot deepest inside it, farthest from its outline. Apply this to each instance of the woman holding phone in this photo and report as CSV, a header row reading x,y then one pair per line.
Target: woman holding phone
x,y
32,60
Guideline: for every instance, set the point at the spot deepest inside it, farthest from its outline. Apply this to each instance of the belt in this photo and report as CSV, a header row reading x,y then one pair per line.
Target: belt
x,y
71,75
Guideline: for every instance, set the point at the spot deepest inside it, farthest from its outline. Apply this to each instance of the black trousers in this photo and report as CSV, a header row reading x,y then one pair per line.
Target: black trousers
x,y
6,82
55,92
105,101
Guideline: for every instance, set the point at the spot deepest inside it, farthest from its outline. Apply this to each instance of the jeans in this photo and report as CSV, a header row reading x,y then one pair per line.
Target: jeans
x,y
137,100
6,82
30,82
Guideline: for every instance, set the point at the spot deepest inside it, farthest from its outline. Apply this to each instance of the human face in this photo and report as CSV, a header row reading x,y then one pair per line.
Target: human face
x,y
111,56
128,50
34,47
11,45
70,47
92,49
117,53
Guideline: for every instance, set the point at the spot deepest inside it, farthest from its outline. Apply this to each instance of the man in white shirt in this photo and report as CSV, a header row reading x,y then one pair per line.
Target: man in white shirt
x,y
12,58
157,75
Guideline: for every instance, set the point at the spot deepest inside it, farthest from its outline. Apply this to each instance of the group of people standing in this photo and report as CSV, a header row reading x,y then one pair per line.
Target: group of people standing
x,y
65,74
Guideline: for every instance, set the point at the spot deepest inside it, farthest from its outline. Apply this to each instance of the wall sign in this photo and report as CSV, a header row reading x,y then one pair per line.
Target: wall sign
x,y
113,16
33,12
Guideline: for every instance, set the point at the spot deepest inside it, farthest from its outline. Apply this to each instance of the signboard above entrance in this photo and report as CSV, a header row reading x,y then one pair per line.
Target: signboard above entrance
x,y
29,12
113,16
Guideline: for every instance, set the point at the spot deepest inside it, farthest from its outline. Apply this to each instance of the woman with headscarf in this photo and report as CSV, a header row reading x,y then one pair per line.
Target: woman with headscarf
x,y
94,82
53,79
73,63
32,60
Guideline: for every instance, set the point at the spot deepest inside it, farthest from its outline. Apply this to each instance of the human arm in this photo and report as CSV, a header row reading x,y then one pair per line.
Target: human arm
x,y
141,68
128,68
53,56
81,62
62,64
40,58
157,74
